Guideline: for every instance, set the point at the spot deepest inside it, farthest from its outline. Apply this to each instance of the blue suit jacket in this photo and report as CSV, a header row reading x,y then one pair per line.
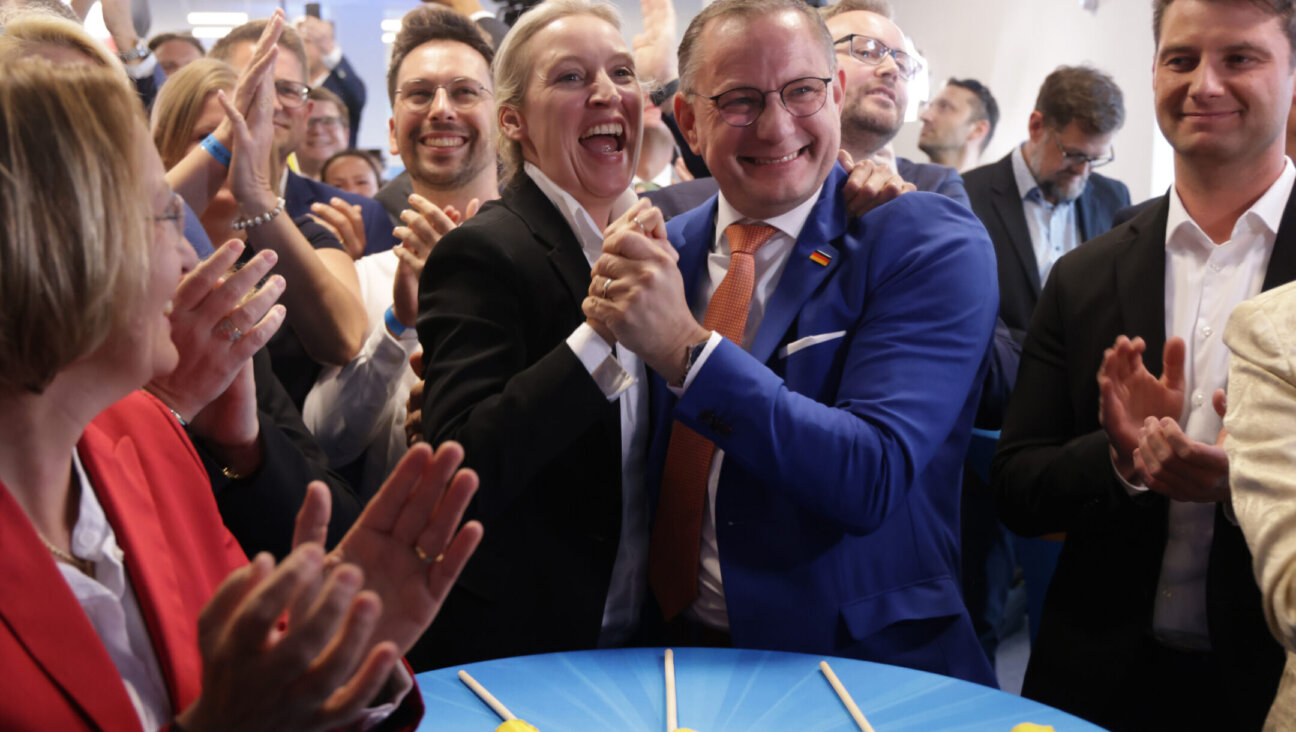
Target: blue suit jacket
x,y
301,192
837,511
935,178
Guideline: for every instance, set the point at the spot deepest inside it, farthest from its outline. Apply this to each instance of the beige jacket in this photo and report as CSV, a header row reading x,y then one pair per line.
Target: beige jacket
x,y
1261,446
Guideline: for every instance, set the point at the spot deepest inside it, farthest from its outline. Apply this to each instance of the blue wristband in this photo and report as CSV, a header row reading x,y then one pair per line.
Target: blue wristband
x,y
217,150
394,325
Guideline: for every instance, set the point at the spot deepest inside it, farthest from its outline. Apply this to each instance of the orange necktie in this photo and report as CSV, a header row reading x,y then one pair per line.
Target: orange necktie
x,y
677,531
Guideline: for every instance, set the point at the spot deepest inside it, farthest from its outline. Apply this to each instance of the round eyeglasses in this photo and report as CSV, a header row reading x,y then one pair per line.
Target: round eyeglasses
x,y
462,92
872,51
800,97
292,95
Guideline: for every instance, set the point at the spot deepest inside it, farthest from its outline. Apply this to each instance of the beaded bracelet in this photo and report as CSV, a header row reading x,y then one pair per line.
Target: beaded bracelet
x,y
216,150
244,224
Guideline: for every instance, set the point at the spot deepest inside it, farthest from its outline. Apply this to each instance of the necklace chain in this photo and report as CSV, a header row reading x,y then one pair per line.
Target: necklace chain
x,y
84,566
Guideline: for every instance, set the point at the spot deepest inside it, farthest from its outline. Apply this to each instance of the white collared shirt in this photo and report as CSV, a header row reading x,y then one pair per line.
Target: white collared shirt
x,y
1053,227
1204,281
620,375
709,608
110,605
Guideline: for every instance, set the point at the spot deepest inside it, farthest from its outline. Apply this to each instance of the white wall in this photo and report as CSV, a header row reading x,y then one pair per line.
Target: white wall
x,y
1011,45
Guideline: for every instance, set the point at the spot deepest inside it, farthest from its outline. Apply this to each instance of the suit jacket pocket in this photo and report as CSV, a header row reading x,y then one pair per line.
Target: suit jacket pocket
x,y
808,341
932,598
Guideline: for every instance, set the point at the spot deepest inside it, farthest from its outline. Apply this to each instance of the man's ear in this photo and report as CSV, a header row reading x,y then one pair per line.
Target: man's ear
x,y
1035,126
392,147
512,124
687,121
980,129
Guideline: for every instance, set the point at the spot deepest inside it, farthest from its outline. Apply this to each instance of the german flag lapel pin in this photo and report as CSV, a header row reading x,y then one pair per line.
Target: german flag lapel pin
x,y
820,257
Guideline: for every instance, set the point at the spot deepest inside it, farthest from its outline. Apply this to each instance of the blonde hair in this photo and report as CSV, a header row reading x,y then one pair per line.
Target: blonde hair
x,y
180,102
513,66
24,36
74,215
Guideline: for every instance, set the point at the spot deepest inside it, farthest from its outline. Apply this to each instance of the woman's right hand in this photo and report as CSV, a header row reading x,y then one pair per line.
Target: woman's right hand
x,y
253,141
318,672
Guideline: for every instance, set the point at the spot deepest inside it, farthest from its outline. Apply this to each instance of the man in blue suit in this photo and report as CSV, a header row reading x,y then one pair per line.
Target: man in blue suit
x,y
814,396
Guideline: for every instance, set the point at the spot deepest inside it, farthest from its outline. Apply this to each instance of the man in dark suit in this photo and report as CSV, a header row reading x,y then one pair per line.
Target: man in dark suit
x,y
326,67
1153,619
870,51
292,110
808,473
1043,199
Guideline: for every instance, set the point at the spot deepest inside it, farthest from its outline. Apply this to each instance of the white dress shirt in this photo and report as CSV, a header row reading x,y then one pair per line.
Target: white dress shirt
x,y
620,375
110,605
360,407
1054,229
709,608
1204,281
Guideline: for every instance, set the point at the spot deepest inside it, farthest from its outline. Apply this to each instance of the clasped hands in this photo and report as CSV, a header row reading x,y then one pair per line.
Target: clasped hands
x,y
1140,414
636,294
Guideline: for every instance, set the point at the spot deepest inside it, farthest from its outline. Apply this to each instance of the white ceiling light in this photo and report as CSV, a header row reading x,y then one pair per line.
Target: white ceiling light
x,y
212,32
391,25
225,19
389,38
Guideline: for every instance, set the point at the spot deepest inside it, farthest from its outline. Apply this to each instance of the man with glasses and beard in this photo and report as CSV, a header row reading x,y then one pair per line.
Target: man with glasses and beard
x,y
292,112
870,51
1043,199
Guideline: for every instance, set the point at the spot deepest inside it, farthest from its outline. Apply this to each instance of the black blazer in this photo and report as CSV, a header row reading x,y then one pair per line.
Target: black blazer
x,y
1052,473
997,202
497,300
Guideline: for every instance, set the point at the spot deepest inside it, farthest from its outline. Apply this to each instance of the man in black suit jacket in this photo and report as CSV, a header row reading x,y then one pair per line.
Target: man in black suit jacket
x,y
1153,619
327,67
1050,178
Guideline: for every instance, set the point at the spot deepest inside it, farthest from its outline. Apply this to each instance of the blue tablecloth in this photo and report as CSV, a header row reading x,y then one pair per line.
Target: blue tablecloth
x,y
720,690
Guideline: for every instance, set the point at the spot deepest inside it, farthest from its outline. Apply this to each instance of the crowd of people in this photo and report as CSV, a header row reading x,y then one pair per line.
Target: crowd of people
x,y
653,342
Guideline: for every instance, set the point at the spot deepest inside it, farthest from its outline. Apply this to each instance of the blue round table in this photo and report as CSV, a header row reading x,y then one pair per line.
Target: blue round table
x,y
720,690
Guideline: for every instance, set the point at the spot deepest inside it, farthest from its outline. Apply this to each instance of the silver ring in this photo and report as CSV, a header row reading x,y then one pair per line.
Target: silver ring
x,y
230,330
639,223
607,282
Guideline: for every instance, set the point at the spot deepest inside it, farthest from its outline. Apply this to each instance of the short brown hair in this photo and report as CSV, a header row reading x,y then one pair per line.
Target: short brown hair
x,y
250,32
351,152
881,7
429,23
320,94
161,38
1082,94
180,102
74,215
745,10
1284,10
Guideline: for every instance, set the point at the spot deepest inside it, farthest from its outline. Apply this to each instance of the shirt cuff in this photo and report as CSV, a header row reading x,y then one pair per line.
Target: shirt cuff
x,y
1130,488
596,356
332,58
712,342
401,684
143,69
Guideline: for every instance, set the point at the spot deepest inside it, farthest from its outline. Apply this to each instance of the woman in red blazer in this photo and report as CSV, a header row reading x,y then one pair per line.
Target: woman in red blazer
x,y
179,630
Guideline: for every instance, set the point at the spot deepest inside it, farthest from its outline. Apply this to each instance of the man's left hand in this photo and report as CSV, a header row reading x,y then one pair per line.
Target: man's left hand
x,y
344,221
1171,463
636,290
870,184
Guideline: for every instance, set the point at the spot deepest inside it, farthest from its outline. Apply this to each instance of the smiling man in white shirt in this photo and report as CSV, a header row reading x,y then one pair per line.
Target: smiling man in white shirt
x,y
1153,618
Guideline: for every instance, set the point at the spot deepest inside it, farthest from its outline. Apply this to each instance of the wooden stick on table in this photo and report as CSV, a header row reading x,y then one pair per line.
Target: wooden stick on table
x,y
671,718
486,696
845,696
